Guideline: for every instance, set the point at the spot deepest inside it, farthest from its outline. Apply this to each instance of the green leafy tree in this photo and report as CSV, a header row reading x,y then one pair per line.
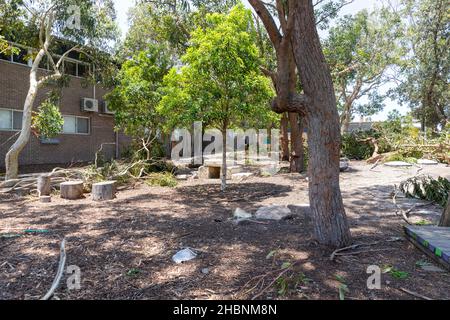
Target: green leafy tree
x,y
137,93
424,71
360,50
168,22
87,24
220,83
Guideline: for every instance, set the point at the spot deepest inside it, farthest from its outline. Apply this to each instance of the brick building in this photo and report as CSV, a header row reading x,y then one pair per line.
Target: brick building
x,y
85,130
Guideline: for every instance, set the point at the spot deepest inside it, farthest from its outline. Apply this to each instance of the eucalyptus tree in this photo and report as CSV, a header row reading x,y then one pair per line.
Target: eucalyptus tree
x,y
317,103
88,24
168,22
360,50
424,71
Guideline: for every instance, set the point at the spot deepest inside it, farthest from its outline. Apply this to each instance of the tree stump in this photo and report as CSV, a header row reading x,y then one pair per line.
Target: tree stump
x,y
72,190
45,199
44,185
104,191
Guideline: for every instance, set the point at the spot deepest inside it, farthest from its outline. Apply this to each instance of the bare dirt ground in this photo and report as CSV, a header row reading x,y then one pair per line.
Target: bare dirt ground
x,y
124,247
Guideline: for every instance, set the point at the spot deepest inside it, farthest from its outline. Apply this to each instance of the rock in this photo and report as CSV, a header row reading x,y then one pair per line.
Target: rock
x,y
184,256
205,271
274,212
301,210
240,214
398,164
203,173
214,171
241,176
344,165
182,177
425,162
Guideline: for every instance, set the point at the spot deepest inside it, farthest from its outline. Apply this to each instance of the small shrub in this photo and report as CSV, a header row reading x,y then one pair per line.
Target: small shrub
x,y
162,179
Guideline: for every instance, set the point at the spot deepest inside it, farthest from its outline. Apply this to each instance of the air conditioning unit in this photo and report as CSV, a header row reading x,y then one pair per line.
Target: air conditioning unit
x,y
89,105
105,108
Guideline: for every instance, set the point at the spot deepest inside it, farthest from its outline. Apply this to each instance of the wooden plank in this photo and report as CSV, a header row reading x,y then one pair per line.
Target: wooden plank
x,y
434,241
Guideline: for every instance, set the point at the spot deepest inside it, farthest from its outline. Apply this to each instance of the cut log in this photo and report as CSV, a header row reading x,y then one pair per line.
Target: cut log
x,y
104,191
44,185
72,190
45,199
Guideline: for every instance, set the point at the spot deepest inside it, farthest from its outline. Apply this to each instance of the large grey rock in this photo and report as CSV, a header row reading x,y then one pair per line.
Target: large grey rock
x,y
241,176
274,212
344,165
240,214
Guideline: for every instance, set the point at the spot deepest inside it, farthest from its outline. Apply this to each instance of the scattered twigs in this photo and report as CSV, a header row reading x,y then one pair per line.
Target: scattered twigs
x,y
261,281
338,252
59,273
415,294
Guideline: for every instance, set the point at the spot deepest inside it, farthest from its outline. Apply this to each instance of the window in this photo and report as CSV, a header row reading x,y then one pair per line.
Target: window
x,y
21,57
10,120
70,68
76,125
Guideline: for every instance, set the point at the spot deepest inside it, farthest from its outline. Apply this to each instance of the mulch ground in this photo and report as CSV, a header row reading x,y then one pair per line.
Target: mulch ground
x,y
124,247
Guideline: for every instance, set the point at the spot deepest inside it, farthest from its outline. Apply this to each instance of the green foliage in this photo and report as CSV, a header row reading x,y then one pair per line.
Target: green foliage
x,y
168,23
395,273
359,59
48,121
427,188
354,148
425,68
220,83
165,179
343,287
137,93
401,157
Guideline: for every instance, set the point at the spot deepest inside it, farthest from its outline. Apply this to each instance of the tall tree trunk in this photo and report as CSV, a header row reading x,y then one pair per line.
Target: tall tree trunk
x,y
330,220
12,157
296,143
445,220
284,137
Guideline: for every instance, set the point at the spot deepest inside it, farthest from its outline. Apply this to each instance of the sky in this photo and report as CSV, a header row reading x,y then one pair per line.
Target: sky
x,y
122,7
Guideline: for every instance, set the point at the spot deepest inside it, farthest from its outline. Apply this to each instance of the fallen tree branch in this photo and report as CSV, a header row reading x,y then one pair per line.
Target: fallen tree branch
x,y
402,212
59,273
356,246
415,294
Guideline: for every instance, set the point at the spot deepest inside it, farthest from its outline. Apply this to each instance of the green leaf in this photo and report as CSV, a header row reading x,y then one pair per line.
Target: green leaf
x,y
286,265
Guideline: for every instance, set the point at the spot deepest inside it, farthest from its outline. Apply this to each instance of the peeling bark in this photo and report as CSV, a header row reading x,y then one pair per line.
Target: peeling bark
x,y
284,138
330,220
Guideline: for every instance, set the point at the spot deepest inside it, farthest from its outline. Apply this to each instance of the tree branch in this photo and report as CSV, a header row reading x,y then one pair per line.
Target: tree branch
x,y
268,21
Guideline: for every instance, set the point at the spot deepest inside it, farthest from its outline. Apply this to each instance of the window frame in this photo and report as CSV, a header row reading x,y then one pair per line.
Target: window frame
x,y
76,125
11,128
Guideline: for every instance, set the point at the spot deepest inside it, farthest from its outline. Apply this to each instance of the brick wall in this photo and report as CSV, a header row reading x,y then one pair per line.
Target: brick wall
x,y
14,83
